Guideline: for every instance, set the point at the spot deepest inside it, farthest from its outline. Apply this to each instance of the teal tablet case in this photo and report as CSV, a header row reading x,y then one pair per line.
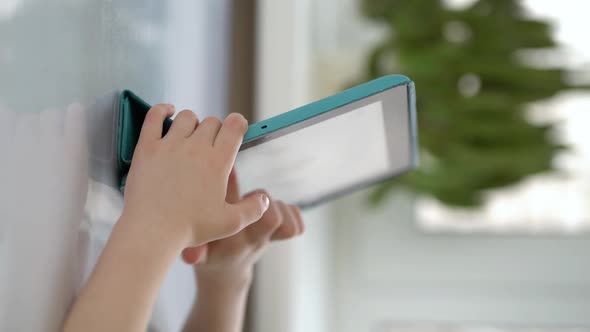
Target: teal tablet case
x,y
132,112
325,105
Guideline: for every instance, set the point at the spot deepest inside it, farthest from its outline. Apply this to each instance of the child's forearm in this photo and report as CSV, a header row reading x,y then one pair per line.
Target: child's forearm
x,y
121,291
221,303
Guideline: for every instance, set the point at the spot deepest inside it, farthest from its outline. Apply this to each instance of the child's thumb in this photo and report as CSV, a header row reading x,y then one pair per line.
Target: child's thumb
x,y
194,255
250,209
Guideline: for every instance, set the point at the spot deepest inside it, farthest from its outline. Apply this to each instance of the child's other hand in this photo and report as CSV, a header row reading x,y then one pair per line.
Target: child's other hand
x,y
177,183
231,259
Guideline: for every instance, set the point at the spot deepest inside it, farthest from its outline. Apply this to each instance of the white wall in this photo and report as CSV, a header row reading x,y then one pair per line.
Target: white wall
x,y
389,271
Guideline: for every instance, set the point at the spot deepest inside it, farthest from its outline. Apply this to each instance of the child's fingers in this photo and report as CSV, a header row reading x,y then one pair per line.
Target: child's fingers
x,y
230,136
207,130
233,188
269,223
247,211
153,123
296,212
183,125
290,226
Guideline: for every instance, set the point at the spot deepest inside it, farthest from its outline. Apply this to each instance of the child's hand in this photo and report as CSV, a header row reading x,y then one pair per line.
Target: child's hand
x,y
175,197
224,269
177,183
231,259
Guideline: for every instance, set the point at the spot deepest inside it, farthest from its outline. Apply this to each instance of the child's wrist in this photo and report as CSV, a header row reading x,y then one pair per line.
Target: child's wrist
x,y
239,278
157,230
230,279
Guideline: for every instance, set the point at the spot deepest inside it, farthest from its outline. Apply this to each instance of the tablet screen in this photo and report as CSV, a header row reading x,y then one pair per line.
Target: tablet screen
x,y
330,153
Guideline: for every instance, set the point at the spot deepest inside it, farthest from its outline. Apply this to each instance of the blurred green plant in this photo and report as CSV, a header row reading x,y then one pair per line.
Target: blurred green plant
x,y
473,87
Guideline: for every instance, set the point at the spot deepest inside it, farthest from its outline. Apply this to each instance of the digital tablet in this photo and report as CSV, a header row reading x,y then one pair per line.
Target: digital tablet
x,y
316,152
335,145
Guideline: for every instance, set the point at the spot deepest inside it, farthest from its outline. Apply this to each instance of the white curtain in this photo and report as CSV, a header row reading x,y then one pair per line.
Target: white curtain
x,y
62,64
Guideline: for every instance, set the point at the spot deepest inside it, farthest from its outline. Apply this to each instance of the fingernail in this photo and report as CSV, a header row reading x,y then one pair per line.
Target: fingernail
x,y
265,201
